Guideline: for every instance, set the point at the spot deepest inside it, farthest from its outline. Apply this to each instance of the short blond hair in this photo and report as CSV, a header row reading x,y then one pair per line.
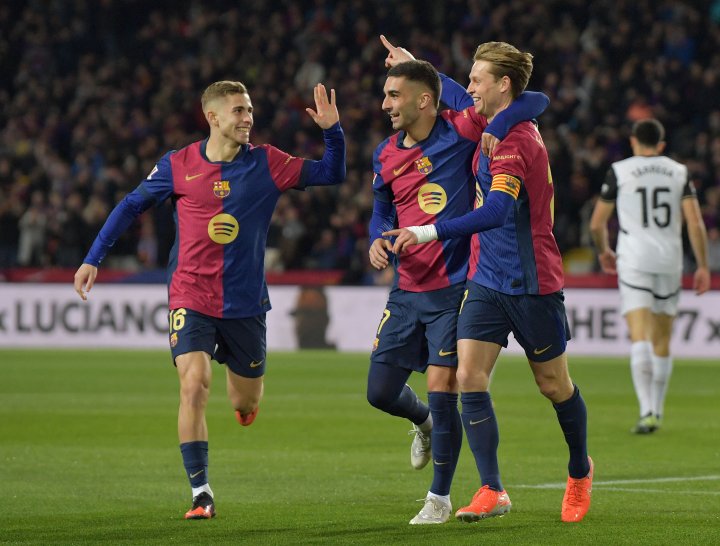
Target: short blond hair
x,y
507,60
221,89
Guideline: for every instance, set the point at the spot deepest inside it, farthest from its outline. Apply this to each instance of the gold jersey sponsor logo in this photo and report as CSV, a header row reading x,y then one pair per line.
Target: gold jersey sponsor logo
x,y
432,198
223,228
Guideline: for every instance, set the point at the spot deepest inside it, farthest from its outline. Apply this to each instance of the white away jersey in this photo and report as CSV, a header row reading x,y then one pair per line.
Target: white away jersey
x,y
648,192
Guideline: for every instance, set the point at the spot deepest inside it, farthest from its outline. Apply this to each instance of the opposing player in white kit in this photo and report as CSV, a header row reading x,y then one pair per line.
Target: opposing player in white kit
x,y
651,192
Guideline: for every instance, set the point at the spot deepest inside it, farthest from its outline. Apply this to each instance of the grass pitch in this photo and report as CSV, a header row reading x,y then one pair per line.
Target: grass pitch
x,y
88,451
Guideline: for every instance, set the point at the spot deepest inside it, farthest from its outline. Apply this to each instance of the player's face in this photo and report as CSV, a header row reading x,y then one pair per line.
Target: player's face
x,y
402,102
485,89
234,115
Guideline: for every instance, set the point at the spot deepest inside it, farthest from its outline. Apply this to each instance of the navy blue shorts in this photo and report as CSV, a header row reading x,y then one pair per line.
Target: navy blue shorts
x,y
419,328
539,323
239,343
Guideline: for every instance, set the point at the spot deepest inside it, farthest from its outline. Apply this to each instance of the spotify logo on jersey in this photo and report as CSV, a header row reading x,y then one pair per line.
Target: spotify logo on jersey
x,y
223,229
432,198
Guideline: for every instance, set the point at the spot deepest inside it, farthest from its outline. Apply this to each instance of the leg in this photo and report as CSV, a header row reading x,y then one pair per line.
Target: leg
x,y
446,440
639,326
476,362
387,391
244,394
661,362
554,381
447,426
195,373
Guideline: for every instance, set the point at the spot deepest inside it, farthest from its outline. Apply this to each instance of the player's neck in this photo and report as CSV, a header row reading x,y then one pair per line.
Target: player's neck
x,y
221,149
502,107
419,131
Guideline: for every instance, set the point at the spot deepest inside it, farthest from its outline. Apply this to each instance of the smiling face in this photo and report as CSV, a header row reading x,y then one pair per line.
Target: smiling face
x,y
231,116
489,93
404,101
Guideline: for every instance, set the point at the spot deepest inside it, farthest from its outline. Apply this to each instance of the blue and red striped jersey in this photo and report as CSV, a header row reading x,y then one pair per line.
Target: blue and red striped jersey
x,y
429,182
521,256
222,212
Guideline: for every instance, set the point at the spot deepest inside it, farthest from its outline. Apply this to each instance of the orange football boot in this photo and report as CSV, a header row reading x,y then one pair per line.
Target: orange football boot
x,y
576,501
203,507
486,503
246,420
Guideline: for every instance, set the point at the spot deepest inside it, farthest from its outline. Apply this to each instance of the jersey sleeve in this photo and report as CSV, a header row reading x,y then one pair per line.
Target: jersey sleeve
x,y
383,214
609,189
689,187
157,187
453,95
285,169
526,107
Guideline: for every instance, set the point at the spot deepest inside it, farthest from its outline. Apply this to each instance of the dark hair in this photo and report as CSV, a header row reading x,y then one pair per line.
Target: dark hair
x,y
648,132
422,72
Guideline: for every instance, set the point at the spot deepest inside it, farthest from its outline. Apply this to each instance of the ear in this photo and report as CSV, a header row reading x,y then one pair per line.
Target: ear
x,y
425,100
505,84
661,147
211,118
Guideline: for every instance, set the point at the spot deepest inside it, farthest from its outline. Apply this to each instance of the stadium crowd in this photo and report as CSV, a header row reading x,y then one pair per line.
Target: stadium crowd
x,y
92,93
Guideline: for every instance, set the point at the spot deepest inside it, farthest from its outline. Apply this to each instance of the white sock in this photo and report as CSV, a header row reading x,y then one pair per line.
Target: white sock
x,y
662,369
426,427
443,498
641,368
205,488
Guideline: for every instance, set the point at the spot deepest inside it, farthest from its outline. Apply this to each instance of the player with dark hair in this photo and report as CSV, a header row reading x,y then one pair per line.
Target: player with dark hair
x,y
423,173
224,191
653,193
514,285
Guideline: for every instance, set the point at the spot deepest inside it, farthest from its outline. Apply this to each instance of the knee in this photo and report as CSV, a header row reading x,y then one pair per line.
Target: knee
x,y
378,398
470,380
194,393
554,389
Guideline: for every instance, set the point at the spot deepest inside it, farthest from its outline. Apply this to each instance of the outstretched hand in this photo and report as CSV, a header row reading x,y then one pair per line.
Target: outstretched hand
x,y
396,55
405,238
326,113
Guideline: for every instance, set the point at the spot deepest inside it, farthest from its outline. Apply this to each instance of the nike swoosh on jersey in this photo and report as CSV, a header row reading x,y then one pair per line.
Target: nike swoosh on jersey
x,y
400,169
446,353
193,177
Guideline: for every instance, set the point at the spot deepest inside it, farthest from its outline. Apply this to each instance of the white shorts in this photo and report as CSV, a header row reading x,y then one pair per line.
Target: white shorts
x,y
655,291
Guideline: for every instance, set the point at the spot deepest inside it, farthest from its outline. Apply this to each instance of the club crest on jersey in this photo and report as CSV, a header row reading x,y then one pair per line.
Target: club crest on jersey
x,y
221,188
223,228
432,198
423,165
173,339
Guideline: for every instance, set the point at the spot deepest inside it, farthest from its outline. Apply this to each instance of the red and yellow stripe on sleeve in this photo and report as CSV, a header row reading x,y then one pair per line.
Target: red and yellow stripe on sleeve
x,y
507,183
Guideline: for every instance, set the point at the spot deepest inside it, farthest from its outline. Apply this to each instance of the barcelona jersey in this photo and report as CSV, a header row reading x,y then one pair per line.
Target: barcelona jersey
x,y
222,212
521,256
427,183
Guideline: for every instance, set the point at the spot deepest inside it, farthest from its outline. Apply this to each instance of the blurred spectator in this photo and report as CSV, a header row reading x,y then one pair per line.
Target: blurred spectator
x,y
33,225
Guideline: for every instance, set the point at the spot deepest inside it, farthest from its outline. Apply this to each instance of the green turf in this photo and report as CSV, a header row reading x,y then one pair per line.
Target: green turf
x,y
89,454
